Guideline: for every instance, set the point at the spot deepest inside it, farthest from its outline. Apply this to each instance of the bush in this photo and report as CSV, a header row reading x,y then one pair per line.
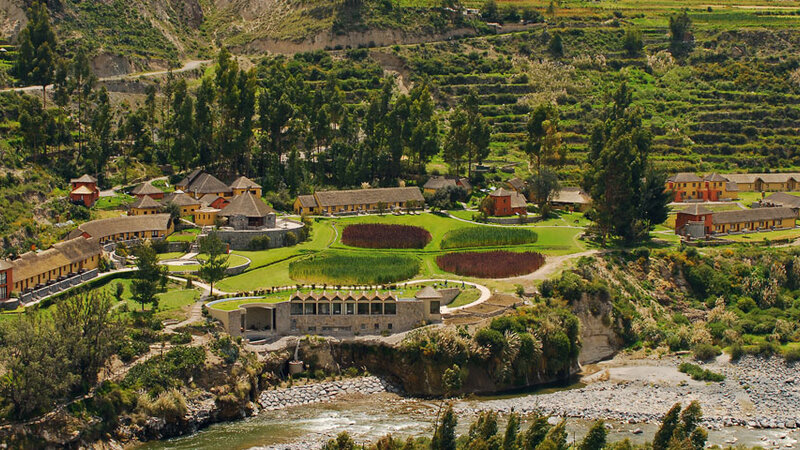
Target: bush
x,y
259,243
792,354
180,338
705,352
487,236
700,374
290,239
375,235
496,264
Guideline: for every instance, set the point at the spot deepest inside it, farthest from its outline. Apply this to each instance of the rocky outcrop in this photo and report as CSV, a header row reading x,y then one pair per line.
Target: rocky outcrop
x,y
323,392
598,338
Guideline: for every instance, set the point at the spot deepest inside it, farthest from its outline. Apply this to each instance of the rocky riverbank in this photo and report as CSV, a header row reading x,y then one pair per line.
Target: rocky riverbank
x,y
756,393
323,392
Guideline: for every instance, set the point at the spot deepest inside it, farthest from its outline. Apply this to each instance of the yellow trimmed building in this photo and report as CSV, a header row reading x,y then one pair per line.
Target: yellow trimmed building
x,y
144,206
125,228
187,204
357,200
243,184
66,258
206,216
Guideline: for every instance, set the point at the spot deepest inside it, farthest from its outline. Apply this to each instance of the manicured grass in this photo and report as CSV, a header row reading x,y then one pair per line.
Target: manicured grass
x,y
170,255
793,233
354,268
115,202
377,235
322,235
233,261
438,226
487,237
495,264
187,235
466,297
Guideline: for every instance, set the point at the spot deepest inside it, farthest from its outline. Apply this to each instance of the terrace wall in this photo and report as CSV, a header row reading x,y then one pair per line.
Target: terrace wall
x,y
240,239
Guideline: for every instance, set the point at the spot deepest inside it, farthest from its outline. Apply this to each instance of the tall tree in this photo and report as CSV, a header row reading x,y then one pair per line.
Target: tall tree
x,y
542,187
36,58
595,438
444,436
469,135
204,123
149,277
213,269
543,141
101,137
668,425
627,204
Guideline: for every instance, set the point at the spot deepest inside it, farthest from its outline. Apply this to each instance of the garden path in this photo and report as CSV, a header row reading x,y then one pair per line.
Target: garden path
x,y
485,292
515,226
552,265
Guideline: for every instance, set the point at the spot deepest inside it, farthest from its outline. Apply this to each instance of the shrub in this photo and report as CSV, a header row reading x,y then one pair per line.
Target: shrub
x,y
335,268
792,354
487,236
376,235
259,243
180,338
704,352
496,264
700,374
290,239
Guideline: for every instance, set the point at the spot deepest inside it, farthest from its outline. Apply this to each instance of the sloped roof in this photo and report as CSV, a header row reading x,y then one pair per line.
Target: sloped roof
x,y
572,195
208,199
437,182
753,215
307,201
695,209
61,254
123,224
428,292
714,177
517,184
84,179
82,190
731,186
4,265
206,183
146,189
748,178
180,199
247,205
518,200
368,196
244,183
685,177
784,199
146,202
189,178
501,192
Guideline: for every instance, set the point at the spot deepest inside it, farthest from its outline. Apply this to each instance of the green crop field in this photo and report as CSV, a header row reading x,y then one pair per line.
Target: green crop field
x,y
487,237
354,268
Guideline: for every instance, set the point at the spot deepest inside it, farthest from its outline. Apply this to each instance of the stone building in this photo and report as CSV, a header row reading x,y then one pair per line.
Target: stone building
x,y
330,313
248,212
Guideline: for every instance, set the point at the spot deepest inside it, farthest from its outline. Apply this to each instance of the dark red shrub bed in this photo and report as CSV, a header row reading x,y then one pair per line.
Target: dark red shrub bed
x,y
376,235
497,264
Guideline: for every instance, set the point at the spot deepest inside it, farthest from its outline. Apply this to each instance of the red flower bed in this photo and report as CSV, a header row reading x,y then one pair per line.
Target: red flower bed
x,y
497,264
376,235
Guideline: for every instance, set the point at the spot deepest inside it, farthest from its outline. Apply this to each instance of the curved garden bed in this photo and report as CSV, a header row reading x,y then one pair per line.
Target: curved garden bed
x,y
496,264
354,269
488,237
377,235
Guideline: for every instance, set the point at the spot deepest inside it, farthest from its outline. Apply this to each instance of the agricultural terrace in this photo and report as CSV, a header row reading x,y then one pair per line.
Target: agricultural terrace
x,y
354,268
488,237
494,264
376,235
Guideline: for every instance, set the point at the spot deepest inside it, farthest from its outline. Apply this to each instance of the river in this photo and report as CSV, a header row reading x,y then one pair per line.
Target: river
x,y
367,418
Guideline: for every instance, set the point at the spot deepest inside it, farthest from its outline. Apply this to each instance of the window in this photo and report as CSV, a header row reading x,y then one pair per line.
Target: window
x,y
3,292
390,308
312,328
337,308
2,277
310,309
363,309
389,326
377,326
296,309
351,309
363,326
376,308
435,307
324,308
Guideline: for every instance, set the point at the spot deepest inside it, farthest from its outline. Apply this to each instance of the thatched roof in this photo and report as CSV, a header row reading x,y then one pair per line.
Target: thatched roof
x,y
180,199
82,190
749,178
572,195
124,224
685,177
714,177
145,203
247,205
428,292
440,182
84,179
368,196
753,215
784,199
206,184
307,201
61,254
695,210
146,189
244,183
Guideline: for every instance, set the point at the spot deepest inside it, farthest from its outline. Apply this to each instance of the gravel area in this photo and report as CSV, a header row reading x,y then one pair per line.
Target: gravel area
x,y
757,393
322,392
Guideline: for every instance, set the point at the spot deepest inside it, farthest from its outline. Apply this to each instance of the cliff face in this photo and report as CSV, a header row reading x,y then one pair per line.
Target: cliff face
x,y
420,377
598,338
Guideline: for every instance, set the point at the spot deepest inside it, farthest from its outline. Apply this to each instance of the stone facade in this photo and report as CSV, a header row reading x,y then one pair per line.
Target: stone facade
x,y
240,239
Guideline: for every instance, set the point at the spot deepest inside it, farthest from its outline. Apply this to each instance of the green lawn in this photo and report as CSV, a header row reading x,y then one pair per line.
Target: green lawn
x,y
115,202
187,235
466,297
233,261
170,255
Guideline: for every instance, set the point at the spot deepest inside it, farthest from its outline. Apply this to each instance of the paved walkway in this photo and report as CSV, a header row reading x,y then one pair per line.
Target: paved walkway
x,y
552,265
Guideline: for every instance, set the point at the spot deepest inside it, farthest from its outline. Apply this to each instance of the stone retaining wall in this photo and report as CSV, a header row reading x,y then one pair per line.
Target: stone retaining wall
x,y
240,239
322,392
